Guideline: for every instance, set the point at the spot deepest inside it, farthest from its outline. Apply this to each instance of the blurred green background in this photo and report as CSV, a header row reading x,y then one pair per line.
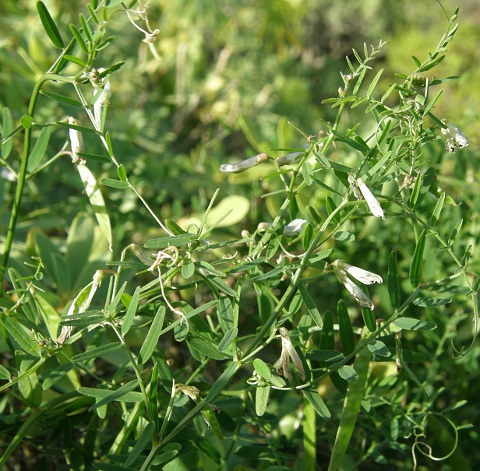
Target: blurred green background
x,y
227,77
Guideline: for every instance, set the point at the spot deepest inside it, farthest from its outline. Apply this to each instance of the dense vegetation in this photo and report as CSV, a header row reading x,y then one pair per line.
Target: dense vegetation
x,y
239,235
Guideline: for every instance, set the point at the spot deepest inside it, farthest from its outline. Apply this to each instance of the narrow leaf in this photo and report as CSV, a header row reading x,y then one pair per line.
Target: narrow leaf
x,y
455,232
122,173
39,149
7,129
140,444
206,348
369,319
228,339
416,192
409,323
310,305
49,25
417,261
152,337
374,82
97,352
393,281
112,183
438,209
345,327
79,38
261,399
314,398
131,311
115,395
62,98
173,241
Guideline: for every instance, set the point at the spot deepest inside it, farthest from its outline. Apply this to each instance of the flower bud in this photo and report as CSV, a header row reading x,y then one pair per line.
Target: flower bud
x,y
244,164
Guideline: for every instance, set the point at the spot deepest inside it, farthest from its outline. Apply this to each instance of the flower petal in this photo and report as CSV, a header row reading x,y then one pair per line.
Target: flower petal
x,y
372,202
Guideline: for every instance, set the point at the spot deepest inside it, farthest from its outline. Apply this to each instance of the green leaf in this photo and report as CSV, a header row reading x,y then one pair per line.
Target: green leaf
x,y
4,373
206,348
49,25
431,302
394,292
174,227
140,444
172,241
262,368
116,300
327,339
131,311
7,129
112,183
118,395
455,232
225,314
122,173
416,192
417,261
62,99
75,60
26,121
261,399
348,373
369,319
379,348
314,398
374,82
409,323
97,352
228,339
152,337
346,328
79,38
344,236
56,375
438,209
188,269
21,334
83,319
39,149
351,143
310,305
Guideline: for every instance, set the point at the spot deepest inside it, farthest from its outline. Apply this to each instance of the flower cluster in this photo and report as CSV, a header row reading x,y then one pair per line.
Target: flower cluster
x,y
343,269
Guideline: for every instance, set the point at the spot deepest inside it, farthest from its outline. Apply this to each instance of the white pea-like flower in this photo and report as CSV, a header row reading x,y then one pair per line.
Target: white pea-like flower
x,y
288,353
364,276
294,227
372,202
455,137
76,142
343,269
244,164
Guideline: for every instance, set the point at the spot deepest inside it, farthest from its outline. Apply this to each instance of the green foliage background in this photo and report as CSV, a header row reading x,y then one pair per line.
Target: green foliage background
x,y
227,79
